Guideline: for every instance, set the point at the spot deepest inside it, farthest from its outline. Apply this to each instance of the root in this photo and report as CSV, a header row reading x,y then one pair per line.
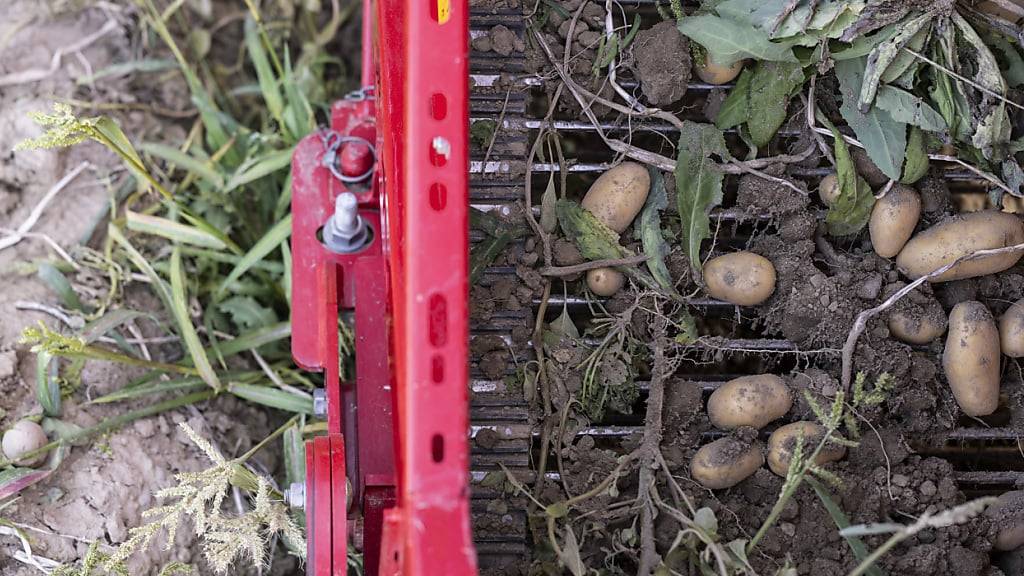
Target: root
x,y
650,448
585,266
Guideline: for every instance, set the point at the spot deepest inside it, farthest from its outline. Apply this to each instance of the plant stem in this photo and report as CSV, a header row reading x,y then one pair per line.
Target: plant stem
x,y
259,446
868,562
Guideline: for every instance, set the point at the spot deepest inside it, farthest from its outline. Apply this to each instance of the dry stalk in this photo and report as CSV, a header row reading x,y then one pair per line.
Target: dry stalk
x,y
585,266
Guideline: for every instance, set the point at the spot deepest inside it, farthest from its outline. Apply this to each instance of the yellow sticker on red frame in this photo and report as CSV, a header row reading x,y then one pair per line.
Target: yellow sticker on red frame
x,y
444,11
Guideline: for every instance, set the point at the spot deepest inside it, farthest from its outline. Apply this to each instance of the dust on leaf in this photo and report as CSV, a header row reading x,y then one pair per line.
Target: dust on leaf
x,y
698,184
594,240
904,107
770,89
734,110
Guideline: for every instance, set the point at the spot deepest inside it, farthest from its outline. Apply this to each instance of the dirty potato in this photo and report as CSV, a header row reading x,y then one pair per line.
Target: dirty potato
x,y
893,220
618,195
725,463
1011,330
22,438
749,401
959,236
917,328
605,281
1007,516
783,442
828,189
971,358
742,278
713,73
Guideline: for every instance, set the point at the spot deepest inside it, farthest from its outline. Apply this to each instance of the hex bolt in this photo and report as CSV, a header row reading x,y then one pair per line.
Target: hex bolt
x,y
346,231
320,403
295,495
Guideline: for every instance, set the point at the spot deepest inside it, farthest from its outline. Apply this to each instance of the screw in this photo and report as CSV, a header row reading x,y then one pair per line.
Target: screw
x,y
295,495
320,403
346,232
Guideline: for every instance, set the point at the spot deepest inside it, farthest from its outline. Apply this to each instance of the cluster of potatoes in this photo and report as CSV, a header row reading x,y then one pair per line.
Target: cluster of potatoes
x,y
753,402
970,359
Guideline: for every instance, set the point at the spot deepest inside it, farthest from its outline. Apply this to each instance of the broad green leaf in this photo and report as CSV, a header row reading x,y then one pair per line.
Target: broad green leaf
x,y
770,89
884,139
47,387
735,109
255,168
904,107
272,397
267,244
649,229
728,40
179,308
698,185
916,163
57,282
884,55
904,59
852,208
176,231
247,313
863,45
200,168
1013,175
860,551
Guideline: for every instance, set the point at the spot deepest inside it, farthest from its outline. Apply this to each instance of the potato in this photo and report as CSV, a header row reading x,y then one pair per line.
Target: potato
x,y
783,441
917,328
828,189
749,401
893,220
716,73
1011,330
971,358
605,281
959,236
725,463
742,278
1007,516
618,195
22,438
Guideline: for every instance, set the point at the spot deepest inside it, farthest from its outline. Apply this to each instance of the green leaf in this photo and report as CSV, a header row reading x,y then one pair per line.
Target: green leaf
x,y
57,282
294,455
247,313
770,89
595,240
728,41
904,107
860,551
152,388
735,109
852,208
47,387
884,139
104,324
176,231
1013,63
885,55
264,73
905,61
144,65
267,244
272,397
649,229
916,164
201,168
863,45
255,168
140,262
256,339
179,308
698,185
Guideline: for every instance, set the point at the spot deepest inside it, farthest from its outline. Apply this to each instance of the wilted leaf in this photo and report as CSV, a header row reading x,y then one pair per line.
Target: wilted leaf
x,y
1013,63
698,184
916,163
548,216
649,229
705,518
905,60
247,313
563,325
904,107
884,139
595,240
728,40
1013,176
852,208
884,55
770,89
570,556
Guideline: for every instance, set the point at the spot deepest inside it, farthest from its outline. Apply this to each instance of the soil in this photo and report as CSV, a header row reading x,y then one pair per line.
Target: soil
x,y
100,490
662,63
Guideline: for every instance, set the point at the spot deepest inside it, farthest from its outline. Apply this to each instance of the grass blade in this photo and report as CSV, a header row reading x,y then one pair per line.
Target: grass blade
x,y
179,307
258,167
140,262
256,339
47,388
272,397
267,244
57,282
183,160
150,389
264,73
860,551
172,230
97,328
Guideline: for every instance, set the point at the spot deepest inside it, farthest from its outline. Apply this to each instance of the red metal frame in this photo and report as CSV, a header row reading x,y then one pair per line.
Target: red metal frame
x,y
405,418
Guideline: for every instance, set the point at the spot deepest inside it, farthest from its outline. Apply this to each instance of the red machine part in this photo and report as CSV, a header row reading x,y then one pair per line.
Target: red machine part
x,y
404,420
